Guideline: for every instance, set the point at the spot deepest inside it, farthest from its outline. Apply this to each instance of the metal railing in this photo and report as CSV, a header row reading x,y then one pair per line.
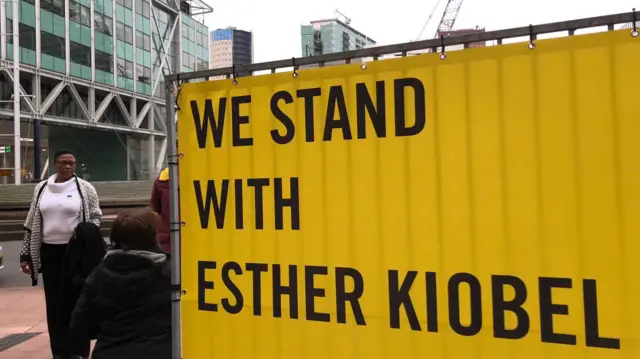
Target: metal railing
x,y
499,35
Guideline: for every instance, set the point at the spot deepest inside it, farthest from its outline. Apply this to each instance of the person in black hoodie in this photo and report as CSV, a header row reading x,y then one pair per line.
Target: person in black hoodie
x,y
126,303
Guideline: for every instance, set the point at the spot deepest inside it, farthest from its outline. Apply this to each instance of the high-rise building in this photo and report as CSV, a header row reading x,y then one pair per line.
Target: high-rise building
x,y
92,80
330,36
230,47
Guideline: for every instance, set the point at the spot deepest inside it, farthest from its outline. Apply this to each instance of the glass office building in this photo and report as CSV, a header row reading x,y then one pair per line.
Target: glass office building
x,y
332,35
230,47
91,75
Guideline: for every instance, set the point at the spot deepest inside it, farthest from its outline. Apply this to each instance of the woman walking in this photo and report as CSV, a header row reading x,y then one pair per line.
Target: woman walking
x,y
59,204
126,304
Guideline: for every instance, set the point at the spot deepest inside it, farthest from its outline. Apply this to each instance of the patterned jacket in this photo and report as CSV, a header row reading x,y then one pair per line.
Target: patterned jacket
x,y
33,224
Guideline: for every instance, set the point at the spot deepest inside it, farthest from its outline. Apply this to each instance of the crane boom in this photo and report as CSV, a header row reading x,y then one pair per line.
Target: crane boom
x,y
347,20
449,16
426,23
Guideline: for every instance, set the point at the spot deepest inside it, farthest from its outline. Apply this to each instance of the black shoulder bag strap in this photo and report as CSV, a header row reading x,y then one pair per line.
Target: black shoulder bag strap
x,y
84,214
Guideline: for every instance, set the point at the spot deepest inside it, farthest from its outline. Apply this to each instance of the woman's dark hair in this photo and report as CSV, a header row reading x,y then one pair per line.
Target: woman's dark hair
x,y
61,153
135,229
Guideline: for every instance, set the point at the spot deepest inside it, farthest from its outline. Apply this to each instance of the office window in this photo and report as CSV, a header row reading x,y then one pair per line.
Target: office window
x,y
124,32
202,65
74,11
121,67
79,13
139,40
120,31
146,42
85,14
143,41
103,23
143,73
147,74
27,36
129,69
9,31
146,12
128,34
80,54
185,59
139,6
50,44
125,68
128,4
121,2
53,6
104,62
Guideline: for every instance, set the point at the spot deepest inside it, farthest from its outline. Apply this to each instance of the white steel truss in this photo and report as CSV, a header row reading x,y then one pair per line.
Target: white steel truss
x,y
135,108
90,120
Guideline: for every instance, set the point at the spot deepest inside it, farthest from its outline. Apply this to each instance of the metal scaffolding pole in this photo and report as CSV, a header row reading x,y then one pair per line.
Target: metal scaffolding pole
x,y
174,223
16,95
37,149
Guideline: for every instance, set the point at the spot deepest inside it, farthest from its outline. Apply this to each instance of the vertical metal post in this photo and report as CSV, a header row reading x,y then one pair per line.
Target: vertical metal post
x,y
3,27
174,204
4,165
36,149
67,38
130,177
16,95
152,143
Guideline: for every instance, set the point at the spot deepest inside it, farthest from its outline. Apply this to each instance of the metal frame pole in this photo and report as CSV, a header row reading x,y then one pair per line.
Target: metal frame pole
x,y
16,95
174,215
37,149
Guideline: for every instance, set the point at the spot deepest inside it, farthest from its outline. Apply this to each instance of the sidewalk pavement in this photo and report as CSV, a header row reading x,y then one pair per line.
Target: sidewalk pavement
x,y
22,310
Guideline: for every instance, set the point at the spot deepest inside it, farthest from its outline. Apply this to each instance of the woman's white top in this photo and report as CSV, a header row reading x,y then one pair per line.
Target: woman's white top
x,y
61,208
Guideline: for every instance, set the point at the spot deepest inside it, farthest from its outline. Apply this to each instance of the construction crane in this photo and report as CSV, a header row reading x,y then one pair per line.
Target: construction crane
x,y
449,17
347,20
448,20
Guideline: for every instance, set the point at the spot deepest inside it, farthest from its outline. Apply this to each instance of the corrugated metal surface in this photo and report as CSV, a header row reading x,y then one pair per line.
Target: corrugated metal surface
x,y
527,168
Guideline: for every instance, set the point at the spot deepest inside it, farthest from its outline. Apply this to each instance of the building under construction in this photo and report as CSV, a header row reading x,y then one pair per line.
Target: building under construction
x,y
330,36
91,80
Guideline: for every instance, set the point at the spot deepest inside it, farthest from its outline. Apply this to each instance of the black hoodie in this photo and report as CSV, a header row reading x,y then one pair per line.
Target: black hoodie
x,y
126,306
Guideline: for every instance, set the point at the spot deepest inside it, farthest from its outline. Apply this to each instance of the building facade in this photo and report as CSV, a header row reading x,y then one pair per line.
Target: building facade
x,y
330,36
230,47
91,81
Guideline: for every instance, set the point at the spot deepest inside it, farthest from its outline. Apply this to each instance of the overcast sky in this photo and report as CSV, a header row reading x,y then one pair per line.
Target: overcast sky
x,y
276,23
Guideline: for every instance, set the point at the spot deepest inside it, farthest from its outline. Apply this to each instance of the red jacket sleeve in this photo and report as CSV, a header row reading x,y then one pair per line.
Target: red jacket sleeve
x,y
156,198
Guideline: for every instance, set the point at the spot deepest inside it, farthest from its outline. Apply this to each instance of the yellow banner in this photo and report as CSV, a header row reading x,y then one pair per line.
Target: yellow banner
x,y
482,206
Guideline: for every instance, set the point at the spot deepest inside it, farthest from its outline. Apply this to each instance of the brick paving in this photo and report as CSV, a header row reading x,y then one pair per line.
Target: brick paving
x,y
22,311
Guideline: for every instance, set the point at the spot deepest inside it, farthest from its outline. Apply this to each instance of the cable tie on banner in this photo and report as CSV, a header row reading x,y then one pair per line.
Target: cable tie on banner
x,y
295,70
234,74
634,32
177,288
532,37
